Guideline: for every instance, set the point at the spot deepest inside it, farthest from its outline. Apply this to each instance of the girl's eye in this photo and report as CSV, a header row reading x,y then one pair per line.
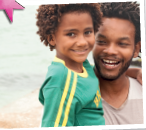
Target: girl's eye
x,y
88,32
71,34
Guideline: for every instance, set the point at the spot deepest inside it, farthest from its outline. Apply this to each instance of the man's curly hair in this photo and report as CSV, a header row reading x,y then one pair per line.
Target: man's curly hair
x,y
124,10
49,16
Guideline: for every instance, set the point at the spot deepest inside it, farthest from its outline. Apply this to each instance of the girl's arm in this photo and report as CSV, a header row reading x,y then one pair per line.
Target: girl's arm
x,y
135,73
55,96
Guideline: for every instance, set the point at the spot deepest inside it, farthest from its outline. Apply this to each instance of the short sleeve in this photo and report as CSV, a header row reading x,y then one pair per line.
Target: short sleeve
x,y
54,95
52,98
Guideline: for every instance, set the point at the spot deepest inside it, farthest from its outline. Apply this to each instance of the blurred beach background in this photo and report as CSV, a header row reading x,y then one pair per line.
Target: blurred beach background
x,y
23,65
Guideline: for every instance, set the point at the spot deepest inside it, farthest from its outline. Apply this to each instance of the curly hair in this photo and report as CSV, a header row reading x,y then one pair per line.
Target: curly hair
x,y
124,10
48,18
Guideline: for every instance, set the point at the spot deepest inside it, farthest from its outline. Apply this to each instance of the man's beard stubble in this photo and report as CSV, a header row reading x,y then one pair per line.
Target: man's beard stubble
x,y
109,77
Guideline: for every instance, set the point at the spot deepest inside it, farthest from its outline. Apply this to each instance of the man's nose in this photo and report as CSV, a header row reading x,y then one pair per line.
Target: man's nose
x,y
82,41
111,49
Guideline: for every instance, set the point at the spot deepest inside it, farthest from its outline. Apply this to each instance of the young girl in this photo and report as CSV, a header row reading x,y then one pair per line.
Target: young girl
x,y
70,93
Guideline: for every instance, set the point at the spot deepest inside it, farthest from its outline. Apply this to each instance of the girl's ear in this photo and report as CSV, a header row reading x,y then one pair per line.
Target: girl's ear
x,y
51,40
137,49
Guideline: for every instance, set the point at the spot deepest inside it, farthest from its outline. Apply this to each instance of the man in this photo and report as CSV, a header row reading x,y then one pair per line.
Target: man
x,y
117,42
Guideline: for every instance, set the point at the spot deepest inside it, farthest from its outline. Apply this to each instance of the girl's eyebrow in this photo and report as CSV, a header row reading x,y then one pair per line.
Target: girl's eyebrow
x,y
69,30
89,28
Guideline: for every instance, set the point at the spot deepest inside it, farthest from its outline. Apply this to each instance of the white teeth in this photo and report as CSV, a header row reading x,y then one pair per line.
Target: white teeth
x,y
110,65
110,61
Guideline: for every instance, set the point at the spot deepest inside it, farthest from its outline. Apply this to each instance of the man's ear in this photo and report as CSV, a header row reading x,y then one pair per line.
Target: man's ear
x,y
137,49
51,40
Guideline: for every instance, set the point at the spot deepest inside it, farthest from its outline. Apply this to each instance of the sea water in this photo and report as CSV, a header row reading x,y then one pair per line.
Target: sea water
x,y
23,58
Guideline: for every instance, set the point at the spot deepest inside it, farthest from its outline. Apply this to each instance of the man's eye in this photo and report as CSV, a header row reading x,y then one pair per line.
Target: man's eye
x,y
100,42
123,44
71,34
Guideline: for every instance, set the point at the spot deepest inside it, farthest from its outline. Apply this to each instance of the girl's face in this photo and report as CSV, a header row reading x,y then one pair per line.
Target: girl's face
x,y
74,37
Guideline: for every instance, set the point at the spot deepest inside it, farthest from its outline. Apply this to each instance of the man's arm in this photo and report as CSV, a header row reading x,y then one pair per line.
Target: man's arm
x,y
135,73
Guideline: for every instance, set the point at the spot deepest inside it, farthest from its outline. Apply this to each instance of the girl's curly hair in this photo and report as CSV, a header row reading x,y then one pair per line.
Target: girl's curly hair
x,y
49,16
124,10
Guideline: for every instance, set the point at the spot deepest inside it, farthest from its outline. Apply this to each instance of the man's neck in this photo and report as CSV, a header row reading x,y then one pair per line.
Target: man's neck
x,y
114,92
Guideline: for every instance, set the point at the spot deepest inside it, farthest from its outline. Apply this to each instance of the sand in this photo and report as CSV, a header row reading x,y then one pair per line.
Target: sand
x,y
23,113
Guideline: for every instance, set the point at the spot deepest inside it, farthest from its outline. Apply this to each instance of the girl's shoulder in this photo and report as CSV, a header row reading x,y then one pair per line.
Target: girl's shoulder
x,y
88,66
55,76
56,70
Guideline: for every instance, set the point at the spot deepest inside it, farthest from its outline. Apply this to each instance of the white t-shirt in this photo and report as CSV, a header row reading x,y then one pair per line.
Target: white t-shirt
x,y
131,112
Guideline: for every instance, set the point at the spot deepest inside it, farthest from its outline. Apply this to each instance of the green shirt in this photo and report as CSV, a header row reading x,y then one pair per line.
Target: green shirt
x,y
70,98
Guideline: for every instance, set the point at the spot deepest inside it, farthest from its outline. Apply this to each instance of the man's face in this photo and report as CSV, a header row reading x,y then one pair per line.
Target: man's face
x,y
114,48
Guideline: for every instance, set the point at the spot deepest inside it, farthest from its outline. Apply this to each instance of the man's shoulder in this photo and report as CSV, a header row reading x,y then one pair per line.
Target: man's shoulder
x,y
135,89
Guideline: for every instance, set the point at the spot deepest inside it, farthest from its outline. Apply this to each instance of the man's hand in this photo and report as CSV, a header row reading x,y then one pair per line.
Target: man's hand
x,y
135,73
139,76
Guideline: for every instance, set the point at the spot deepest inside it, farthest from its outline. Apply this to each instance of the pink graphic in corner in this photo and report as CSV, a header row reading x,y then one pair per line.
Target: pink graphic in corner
x,y
8,6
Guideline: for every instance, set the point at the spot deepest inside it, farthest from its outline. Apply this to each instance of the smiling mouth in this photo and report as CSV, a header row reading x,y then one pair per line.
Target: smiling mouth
x,y
80,51
110,63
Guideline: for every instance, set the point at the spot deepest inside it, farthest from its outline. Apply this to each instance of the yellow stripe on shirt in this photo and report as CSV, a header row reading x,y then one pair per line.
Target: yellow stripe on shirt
x,y
63,99
70,100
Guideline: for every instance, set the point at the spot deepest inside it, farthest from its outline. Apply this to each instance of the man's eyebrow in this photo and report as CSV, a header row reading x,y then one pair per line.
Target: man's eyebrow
x,y
100,35
124,38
